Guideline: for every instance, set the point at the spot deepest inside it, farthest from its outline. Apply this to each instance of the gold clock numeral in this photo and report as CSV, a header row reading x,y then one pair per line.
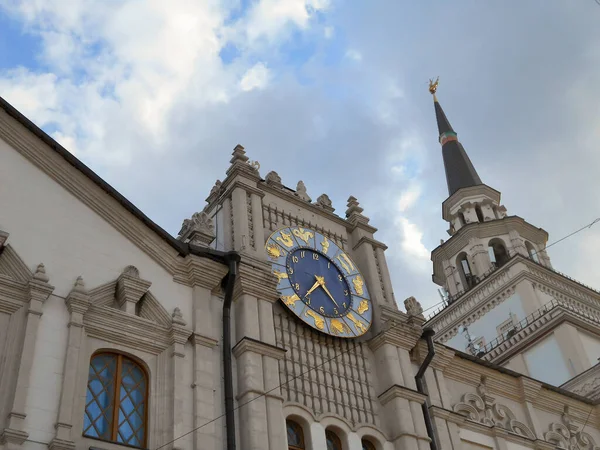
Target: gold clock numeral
x,y
315,256
344,304
297,286
322,310
302,254
307,300
328,265
290,270
295,259
340,277
346,292
335,311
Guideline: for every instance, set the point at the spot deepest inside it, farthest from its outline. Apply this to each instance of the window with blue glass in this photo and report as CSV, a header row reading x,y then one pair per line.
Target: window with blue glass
x,y
116,400
333,441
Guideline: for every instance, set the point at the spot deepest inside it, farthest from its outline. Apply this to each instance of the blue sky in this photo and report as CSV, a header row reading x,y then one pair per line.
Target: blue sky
x,y
155,97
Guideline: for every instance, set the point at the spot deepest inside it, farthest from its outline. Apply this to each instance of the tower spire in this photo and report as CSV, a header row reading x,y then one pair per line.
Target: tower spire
x,y
460,172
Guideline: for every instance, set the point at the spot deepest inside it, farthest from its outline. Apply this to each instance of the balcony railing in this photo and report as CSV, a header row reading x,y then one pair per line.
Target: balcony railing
x,y
450,299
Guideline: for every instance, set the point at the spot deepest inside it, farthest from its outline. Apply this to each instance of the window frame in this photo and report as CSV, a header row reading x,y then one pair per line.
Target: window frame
x,y
367,444
114,424
301,429
336,438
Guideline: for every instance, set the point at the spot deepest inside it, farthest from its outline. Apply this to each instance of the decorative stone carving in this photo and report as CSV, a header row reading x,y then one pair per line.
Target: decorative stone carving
x,y
483,408
216,188
413,307
273,179
569,436
354,212
198,230
301,192
40,274
80,285
238,155
178,317
130,289
323,201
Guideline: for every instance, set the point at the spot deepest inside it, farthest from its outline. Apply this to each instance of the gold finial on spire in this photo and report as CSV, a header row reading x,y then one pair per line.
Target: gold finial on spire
x,y
433,85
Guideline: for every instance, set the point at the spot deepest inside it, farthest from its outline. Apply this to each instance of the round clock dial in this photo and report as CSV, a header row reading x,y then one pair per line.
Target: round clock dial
x,y
319,282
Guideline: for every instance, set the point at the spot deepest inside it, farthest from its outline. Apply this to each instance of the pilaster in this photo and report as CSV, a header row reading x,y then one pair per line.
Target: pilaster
x,y
39,291
205,365
479,256
77,302
517,244
179,337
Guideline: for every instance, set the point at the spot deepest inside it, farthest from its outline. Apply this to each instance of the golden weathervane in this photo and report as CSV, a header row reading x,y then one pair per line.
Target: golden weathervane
x,y
433,85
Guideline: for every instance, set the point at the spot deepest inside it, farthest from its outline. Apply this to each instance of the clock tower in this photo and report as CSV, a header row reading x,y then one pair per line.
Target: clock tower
x,y
312,311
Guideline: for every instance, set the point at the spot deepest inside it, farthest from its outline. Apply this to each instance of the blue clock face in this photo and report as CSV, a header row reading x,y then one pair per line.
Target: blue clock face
x,y
319,282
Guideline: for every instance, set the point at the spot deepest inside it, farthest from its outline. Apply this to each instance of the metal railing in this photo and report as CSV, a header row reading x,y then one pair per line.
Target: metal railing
x,y
450,299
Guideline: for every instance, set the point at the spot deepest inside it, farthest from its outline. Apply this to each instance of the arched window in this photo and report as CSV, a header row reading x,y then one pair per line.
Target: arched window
x,y
532,252
466,275
116,401
479,213
333,441
367,445
497,252
295,435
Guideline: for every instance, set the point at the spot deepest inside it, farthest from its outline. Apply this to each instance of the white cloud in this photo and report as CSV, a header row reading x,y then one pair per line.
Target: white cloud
x,y
328,32
411,244
257,77
354,55
408,198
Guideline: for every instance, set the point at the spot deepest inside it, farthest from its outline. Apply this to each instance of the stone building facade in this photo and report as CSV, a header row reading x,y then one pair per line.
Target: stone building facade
x,y
113,335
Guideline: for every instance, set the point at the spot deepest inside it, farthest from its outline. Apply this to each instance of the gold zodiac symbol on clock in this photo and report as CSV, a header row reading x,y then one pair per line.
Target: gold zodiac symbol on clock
x,y
303,234
285,239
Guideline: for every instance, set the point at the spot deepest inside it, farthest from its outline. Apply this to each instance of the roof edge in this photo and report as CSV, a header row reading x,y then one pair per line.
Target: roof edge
x,y
182,249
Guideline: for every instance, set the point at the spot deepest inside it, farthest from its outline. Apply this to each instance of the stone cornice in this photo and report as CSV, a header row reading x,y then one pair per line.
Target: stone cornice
x,y
113,325
205,341
13,266
86,191
442,358
255,278
247,344
478,230
402,336
231,186
179,334
468,192
369,240
195,271
397,391
13,294
530,389
288,195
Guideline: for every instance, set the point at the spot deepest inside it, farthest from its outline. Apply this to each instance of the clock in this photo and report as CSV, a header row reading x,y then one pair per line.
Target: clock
x,y
319,282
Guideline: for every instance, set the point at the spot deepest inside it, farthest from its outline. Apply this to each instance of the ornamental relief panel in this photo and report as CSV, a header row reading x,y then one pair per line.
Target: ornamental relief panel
x,y
567,435
483,408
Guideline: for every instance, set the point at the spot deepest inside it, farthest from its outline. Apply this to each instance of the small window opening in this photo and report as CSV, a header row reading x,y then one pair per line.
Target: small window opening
x,y
497,252
479,213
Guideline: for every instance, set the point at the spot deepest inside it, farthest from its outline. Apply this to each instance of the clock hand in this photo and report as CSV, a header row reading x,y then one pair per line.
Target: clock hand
x,y
321,281
314,286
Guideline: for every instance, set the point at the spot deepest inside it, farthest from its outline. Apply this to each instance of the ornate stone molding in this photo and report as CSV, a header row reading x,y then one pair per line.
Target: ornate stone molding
x,y
205,341
12,266
567,435
323,201
397,391
197,230
255,278
483,408
274,179
301,192
196,271
247,344
130,289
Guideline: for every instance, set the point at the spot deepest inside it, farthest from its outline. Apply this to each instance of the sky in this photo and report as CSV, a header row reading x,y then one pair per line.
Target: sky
x,y
154,96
